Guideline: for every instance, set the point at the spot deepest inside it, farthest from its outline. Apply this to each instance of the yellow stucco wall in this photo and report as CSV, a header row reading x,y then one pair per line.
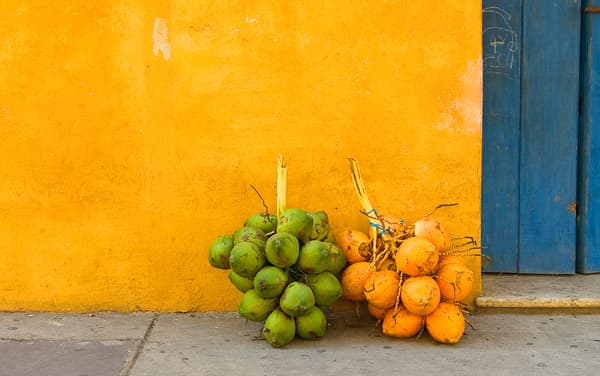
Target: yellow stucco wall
x,y
132,130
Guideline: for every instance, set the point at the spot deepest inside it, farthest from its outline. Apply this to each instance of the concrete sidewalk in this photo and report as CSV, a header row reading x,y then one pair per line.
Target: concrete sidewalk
x,y
579,292
525,325
224,344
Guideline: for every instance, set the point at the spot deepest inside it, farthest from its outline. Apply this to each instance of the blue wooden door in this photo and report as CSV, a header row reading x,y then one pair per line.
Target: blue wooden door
x,y
530,135
588,230
501,41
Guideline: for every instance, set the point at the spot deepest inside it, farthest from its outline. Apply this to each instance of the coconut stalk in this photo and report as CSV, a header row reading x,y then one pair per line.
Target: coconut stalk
x,y
363,198
281,186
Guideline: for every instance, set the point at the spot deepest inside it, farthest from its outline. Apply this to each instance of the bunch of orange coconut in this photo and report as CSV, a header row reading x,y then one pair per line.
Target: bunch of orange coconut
x,y
412,277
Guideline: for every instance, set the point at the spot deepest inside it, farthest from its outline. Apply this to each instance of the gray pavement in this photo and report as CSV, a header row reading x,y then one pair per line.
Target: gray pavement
x,y
224,344
70,344
524,325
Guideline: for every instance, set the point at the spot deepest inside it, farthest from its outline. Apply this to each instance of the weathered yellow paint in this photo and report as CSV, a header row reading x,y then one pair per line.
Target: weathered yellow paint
x,y
132,131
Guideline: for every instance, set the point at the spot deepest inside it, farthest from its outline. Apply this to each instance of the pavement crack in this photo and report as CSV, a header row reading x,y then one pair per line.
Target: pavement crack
x,y
128,367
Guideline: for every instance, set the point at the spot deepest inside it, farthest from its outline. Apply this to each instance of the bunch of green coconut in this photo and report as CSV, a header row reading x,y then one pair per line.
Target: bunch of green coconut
x,y
287,266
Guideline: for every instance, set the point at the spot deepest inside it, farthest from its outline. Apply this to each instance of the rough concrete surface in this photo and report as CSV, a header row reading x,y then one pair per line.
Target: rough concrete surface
x,y
540,291
57,326
51,344
518,339
217,344
63,357
225,344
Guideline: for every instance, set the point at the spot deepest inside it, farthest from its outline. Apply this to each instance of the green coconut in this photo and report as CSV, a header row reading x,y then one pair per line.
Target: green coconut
x,y
219,250
337,259
246,259
326,288
279,329
264,221
254,307
270,281
251,235
297,222
312,325
297,299
241,283
282,249
314,257
320,226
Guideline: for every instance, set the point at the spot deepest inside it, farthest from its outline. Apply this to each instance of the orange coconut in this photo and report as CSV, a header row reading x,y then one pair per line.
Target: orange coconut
x,y
455,281
392,223
401,323
416,256
353,280
420,295
349,242
450,259
376,312
381,288
446,324
433,231
388,264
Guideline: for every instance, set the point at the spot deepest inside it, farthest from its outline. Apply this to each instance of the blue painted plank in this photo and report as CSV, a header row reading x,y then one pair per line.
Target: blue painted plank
x,y
549,131
588,236
500,150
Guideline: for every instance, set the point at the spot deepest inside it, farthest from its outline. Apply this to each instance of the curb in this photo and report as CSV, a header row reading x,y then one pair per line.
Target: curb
x,y
590,304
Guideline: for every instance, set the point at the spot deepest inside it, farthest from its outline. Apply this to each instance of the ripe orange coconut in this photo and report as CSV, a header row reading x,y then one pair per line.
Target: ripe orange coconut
x,y
353,280
388,264
392,223
381,288
455,281
433,231
416,256
401,323
420,295
446,324
450,259
349,242
376,312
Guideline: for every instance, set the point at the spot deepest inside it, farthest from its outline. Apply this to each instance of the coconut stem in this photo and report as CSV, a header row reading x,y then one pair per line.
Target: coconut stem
x,y
361,192
281,185
261,199
399,292
439,207
422,329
